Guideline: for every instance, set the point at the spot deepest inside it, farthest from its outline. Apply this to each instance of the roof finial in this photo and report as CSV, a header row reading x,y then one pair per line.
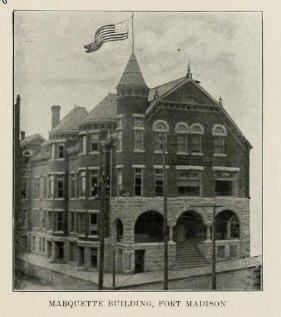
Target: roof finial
x,y
156,94
220,101
189,73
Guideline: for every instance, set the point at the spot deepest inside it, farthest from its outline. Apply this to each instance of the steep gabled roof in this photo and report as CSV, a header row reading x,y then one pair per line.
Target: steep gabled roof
x,y
32,138
103,111
71,120
132,76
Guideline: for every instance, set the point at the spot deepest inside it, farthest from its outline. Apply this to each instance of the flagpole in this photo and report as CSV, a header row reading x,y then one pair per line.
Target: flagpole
x,y
133,39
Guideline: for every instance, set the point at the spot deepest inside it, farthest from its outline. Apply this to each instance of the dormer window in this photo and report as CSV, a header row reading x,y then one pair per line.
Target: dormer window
x,y
94,139
219,133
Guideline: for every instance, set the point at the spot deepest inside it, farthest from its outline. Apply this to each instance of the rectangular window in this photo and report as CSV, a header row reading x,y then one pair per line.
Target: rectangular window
x,y
221,251
139,140
60,186
83,183
45,181
139,122
138,182
233,251
93,183
36,187
119,141
33,243
44,219
93,224
72,186
196,143
181,143
119,181
159,180
43,244
219,145
59,221
224,188
94,142
189,183
61,151
71,251
51,186
72,221
94,257
157,141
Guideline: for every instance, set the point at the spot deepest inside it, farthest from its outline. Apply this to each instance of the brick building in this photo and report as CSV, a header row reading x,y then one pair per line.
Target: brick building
x,y
206,161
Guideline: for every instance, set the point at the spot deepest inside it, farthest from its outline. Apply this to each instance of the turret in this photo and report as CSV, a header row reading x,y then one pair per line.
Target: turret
x,y
132,91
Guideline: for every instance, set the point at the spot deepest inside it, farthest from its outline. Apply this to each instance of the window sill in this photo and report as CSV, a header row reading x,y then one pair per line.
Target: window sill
x,y
82,198
220,155
186,196
160,152
226,197
73,198
94,153
119,129
139,151
59,198
138,128
93,236
92,198
197,154
57,159
58,232
119,151
182,153
82,154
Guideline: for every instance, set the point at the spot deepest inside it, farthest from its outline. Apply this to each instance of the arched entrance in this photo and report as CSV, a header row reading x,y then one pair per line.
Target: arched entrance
x,y
190,227
149,227
227,225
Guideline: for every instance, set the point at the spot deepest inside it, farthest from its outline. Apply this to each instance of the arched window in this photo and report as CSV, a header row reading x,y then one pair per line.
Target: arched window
x,y
160,128
119,230
181,134
196,131
227,225
219,133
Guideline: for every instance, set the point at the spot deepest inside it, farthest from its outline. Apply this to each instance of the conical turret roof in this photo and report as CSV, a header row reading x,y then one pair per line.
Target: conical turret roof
x,y
132,76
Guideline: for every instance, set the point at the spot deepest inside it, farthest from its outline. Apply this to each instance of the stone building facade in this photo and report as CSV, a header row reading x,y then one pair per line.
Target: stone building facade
x,y
206,162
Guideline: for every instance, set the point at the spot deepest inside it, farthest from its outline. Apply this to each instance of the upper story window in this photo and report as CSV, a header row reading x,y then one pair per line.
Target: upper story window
x,y
36,187
84,144
119,123
51,186
60,186
59,221
196,131
93,224
93,183
219,133
72,185
160,128
61,151
94,140
139,122
138,182
159,181
189,183
139,144
82,184
24,189
226,183
181,135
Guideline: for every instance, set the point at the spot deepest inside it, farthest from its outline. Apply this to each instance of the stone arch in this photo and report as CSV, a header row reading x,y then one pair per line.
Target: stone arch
x,y
149,227
190,225
227,225
161,126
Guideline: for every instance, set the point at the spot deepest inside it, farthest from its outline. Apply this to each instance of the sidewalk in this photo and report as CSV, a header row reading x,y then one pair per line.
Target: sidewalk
x,y
125,280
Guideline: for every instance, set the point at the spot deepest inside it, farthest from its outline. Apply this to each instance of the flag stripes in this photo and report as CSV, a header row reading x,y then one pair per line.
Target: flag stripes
x,y
108,33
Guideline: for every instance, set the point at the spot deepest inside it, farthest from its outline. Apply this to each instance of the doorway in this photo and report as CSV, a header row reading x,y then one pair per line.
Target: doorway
x,y
139,261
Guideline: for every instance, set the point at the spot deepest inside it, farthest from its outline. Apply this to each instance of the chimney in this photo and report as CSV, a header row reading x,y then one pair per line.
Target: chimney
x,y
22,135
55,116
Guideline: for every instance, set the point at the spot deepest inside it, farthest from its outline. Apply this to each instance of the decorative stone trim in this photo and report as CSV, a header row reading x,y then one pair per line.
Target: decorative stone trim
x,y
138,166
189,167
226,169
220,155
93,168
158,167
119,166
197,154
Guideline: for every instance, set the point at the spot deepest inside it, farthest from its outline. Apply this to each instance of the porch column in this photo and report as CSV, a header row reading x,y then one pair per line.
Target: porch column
x,y
171,233
208,233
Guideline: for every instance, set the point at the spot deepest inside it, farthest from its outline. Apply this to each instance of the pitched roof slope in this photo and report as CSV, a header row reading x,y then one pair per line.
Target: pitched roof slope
x,y
132,76
105,110
71,120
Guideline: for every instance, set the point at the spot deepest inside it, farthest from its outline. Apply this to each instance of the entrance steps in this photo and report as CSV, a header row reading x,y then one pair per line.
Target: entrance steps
x,y
188,255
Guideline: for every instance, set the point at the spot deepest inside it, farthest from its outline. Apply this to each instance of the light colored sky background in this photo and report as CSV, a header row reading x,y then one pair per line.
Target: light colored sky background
x,y
225,49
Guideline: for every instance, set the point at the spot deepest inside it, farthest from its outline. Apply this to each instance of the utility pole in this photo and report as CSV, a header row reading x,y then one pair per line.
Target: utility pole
x,y
101,216
165,231
213,263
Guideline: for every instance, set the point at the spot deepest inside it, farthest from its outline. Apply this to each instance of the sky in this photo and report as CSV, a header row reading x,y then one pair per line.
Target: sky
x,y
224,49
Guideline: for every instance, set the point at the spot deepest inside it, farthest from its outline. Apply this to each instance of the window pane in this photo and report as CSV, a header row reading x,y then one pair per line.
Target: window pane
x,y
181,143
219,145
138,140
196,143
223,188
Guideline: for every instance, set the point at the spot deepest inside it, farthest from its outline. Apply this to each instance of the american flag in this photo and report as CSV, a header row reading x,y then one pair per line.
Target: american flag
x,y
107,33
